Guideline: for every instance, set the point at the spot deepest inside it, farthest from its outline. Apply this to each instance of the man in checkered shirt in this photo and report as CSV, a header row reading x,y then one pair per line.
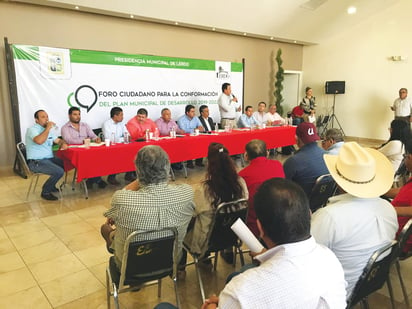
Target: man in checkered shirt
x,y
149,203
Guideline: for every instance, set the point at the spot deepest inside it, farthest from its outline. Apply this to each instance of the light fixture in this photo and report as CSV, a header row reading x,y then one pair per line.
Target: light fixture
x,y
244,33
213,29
176,23
76,7
131,16
351,10
398,58
271,37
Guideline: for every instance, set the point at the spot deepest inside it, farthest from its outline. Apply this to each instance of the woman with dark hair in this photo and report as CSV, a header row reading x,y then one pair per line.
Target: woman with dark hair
x,y
394,148
222,184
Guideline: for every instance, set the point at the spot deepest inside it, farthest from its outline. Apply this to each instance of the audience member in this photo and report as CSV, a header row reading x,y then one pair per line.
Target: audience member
x,y
356,224
222,184
333,141
297,115
39,142
227,107
259,115
150,203
394,148
295,271
189,123
116,126
402,106
272,118
165,123
138,125
307,164
75,132
247,120
402,197
259,170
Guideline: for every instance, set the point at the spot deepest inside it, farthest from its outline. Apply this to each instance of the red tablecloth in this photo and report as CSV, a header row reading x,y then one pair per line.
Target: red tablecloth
x,y
119,158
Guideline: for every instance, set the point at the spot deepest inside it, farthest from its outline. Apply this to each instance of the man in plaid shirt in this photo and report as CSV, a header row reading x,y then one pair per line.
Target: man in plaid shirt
x,y
149,203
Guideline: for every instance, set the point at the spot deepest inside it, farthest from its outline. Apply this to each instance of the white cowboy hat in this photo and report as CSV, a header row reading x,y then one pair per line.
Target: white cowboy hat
x,y
362,172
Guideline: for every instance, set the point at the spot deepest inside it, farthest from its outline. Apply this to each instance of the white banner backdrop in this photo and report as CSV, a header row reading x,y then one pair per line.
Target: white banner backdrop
x,y
55,79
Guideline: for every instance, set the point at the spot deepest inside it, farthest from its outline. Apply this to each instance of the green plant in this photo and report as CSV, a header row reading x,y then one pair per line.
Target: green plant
x,y
279,82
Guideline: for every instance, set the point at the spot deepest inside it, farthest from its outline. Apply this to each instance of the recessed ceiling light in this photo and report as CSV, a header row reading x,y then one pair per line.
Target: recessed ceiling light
x,y
271,37
213,29
76,7
176,23
351,10
295,41
244,33
131,16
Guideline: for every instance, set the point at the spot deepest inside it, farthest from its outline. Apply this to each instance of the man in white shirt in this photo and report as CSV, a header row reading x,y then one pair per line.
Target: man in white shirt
x,y
356,224
402,106
272,118
260,113
116,125
295,271
227,107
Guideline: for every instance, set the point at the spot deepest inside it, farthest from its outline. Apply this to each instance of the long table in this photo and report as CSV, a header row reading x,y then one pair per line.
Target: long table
x,y
119,158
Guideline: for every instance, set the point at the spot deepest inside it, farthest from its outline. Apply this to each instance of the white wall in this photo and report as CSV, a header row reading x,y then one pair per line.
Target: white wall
x,y
359,55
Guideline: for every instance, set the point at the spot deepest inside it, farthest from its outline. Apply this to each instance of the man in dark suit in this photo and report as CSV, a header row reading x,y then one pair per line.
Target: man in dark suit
x,y
207,124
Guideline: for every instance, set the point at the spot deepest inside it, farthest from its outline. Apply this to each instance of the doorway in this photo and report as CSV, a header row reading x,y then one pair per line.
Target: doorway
x,y
291,90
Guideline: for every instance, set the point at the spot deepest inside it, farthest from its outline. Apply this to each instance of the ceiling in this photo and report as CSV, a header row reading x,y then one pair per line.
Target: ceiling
x,y
304,22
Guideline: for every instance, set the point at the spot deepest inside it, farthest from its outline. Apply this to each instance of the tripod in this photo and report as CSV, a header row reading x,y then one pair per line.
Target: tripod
x,y
329,123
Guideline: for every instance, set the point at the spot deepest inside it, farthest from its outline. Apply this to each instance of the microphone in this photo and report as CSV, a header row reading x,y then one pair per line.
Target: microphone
x,y
233,96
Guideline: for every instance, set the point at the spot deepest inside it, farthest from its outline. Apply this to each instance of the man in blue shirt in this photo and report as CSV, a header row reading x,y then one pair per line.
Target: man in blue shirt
x,y
307,164
189,123
247,120
39,142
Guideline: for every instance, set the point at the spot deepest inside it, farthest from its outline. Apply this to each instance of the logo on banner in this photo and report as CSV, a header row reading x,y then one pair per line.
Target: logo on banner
x,y
222,73
85,96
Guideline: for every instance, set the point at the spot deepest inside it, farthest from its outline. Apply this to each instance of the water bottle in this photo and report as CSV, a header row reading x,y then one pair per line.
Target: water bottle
x,y
216,127
147,135
113,139
156,134
126,137
173,132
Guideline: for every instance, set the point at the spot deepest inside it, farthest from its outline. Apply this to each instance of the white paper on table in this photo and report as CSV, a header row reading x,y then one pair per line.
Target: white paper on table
x,y
246,236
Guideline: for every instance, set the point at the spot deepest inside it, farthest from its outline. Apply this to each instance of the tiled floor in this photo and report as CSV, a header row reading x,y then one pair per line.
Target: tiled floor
x,y
52,254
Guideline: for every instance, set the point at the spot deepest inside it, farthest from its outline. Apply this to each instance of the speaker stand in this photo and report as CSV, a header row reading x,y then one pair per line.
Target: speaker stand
x,y
329,124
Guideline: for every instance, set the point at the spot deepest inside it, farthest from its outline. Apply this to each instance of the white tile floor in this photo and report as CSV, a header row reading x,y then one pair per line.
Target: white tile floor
x,y
52,254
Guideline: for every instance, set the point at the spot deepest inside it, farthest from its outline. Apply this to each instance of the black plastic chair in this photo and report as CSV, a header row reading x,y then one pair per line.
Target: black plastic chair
x,y
404,253
374,275
324,188
221,235
148,257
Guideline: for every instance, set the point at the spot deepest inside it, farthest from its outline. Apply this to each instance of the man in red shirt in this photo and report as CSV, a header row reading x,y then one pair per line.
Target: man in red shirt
x,y
403,196
138,125
297,115
259,170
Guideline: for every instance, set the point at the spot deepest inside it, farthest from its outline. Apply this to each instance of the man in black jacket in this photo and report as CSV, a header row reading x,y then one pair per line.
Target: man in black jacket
x,y
207,123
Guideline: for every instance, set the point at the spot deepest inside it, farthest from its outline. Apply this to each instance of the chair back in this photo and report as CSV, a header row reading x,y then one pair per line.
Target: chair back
x,y
375,273
323,189
221,235
148,256
22,155
405,249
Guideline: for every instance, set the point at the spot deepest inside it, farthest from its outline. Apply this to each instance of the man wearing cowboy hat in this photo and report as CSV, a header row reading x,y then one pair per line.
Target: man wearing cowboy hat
x,y
307,164
355,224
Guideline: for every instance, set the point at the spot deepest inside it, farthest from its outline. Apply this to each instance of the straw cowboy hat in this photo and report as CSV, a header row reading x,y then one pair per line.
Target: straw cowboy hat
x,y
362,172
